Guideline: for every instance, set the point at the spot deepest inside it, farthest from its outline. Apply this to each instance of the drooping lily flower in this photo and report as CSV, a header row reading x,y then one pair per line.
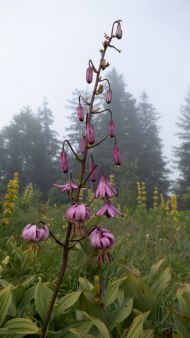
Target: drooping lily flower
x,y
102,239
105,189
108,210
69,186
78,213
34,234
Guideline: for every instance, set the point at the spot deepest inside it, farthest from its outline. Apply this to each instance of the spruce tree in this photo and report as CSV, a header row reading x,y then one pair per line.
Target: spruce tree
x,y
151,164
182,152
30,147
51,146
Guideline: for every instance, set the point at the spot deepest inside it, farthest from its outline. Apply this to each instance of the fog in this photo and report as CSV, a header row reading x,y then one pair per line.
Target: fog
x,y
46,44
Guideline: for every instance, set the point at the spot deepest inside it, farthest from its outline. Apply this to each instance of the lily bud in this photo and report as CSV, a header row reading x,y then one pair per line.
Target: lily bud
x,y
116,155
118,32
100,89
64,161
111,128
93,172
90,133
109,96
80,112
89,74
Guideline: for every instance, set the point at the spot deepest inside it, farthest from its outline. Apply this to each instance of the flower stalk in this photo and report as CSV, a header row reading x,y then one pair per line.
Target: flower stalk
x,y
79,212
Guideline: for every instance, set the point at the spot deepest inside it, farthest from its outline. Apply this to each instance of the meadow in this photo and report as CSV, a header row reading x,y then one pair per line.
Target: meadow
x,y
143,292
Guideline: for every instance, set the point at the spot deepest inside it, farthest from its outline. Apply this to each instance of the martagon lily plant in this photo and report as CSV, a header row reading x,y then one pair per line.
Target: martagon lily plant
x,y
78,213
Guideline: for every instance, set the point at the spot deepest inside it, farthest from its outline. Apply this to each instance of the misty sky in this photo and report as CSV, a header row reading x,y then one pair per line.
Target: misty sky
x,y
46,44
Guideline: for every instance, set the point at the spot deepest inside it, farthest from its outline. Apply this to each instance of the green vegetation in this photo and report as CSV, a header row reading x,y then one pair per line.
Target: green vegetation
x,y
144,292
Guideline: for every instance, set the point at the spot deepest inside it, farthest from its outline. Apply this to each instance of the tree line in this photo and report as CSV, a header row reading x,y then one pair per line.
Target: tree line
x,y
30,146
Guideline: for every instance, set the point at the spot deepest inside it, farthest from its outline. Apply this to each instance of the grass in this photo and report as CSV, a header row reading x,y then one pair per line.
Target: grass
x,y
143,238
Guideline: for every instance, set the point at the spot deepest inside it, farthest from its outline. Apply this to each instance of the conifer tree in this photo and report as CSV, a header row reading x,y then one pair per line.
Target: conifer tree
x,y
138,139
151,164
124,109
51,145
182,152
29,146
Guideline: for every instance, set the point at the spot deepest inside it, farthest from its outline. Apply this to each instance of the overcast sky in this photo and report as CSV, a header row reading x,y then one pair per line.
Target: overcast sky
x,y
45,46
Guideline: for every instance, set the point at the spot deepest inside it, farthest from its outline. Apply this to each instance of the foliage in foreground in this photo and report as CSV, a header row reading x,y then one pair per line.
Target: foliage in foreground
x,y
143,237
128,308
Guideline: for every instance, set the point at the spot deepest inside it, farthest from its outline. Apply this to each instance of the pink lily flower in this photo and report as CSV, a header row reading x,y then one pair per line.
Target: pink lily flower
x,y
108,210
105,189
34,234
102,239
78,213
69,186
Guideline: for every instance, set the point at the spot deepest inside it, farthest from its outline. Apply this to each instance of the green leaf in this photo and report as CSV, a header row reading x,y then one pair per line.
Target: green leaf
x,y
28,281
136,328
83,325
4,332
22,326
42,296
85,284
148,334
111,294
161,282
183,296
26,301
5,301
155,268
66,302
122,313
143,297
4,283
80,334
182,324
98,324
18,294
